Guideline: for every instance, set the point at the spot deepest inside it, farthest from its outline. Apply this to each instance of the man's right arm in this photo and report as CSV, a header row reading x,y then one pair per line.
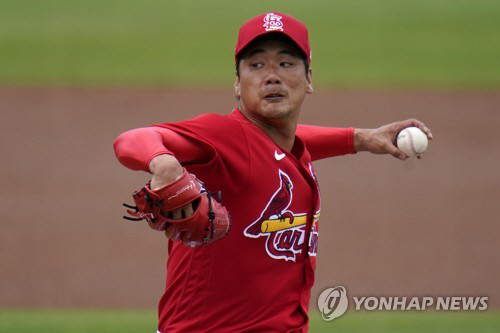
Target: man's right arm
x,y
159,151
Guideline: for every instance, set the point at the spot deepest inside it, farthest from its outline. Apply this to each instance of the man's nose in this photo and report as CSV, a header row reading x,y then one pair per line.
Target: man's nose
x,y
273,78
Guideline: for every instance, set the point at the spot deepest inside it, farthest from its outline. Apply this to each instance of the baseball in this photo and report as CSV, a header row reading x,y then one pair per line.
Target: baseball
x,y
412,141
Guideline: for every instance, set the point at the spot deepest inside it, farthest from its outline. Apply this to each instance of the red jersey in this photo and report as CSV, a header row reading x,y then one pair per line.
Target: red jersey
x,y
258,278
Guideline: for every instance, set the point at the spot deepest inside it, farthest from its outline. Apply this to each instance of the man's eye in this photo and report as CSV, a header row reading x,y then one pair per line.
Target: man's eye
x,y
256,65
286,64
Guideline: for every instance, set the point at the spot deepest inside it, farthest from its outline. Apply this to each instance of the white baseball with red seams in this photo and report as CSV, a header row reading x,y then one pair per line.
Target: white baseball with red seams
x,y
412,141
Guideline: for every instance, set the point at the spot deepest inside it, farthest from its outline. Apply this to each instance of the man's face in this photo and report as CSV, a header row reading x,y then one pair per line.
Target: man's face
x,y
273,81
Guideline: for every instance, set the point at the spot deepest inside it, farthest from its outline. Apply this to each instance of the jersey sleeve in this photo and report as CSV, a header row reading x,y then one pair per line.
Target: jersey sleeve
x,y
136,148
323,142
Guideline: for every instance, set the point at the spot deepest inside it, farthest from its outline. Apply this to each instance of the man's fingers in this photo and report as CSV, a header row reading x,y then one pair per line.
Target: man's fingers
x,y
180,213
421,126
394,151
177,214
424,129
188,210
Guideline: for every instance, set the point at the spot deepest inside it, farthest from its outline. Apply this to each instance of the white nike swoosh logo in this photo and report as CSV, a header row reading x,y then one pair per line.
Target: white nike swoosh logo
x,y
278,157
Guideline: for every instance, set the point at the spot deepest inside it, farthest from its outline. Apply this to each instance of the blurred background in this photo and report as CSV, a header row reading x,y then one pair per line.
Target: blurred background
x,y
75,74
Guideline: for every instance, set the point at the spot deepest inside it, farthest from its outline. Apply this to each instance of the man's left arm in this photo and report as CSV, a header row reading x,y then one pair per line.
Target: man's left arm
x,y
323,142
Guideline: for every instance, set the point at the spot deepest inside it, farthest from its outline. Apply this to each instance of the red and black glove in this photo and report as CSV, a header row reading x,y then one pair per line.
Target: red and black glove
x,y
209,222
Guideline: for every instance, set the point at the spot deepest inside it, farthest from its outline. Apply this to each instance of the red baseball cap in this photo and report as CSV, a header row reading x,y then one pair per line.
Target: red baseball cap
x,y
274,22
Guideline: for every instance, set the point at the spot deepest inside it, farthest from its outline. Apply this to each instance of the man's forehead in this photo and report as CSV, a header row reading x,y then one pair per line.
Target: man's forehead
x,y
271,46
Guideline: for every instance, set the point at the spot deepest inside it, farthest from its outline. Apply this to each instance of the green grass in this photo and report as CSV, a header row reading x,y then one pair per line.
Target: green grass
x,y
57,321
73,321
437,43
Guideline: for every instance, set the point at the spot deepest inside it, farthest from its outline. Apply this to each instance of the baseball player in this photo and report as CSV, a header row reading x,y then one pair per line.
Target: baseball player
x,y
245,262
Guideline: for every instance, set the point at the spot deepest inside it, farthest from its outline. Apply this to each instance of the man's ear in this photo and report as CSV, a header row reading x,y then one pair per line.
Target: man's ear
x,y
237,88
309,87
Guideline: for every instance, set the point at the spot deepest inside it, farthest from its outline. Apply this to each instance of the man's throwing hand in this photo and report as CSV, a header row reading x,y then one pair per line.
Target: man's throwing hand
x,y
382,140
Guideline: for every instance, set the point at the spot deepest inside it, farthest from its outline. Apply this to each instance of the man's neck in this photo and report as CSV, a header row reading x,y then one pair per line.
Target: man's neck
x,y
280,131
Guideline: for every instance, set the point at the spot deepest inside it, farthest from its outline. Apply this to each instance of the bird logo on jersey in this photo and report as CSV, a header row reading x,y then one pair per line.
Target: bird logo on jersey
x,y
284,229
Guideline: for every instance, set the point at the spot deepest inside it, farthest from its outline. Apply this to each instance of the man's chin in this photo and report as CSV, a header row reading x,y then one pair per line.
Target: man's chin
x,y
275,110
276,113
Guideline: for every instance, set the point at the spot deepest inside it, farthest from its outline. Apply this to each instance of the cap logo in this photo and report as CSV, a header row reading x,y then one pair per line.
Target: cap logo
x,y
273,22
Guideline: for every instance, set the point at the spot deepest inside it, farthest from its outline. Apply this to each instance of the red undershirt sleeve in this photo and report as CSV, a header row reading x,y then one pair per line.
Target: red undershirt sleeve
x,y
136,148
323,142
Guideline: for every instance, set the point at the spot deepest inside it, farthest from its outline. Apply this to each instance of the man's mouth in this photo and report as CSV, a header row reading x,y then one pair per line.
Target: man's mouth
x,y
274,97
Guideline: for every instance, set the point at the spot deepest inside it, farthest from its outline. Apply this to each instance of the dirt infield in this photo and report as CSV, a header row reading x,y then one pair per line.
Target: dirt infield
x,y
387,227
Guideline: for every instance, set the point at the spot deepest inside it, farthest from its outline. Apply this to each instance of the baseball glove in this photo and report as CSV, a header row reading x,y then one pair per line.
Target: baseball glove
x,y
209,222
